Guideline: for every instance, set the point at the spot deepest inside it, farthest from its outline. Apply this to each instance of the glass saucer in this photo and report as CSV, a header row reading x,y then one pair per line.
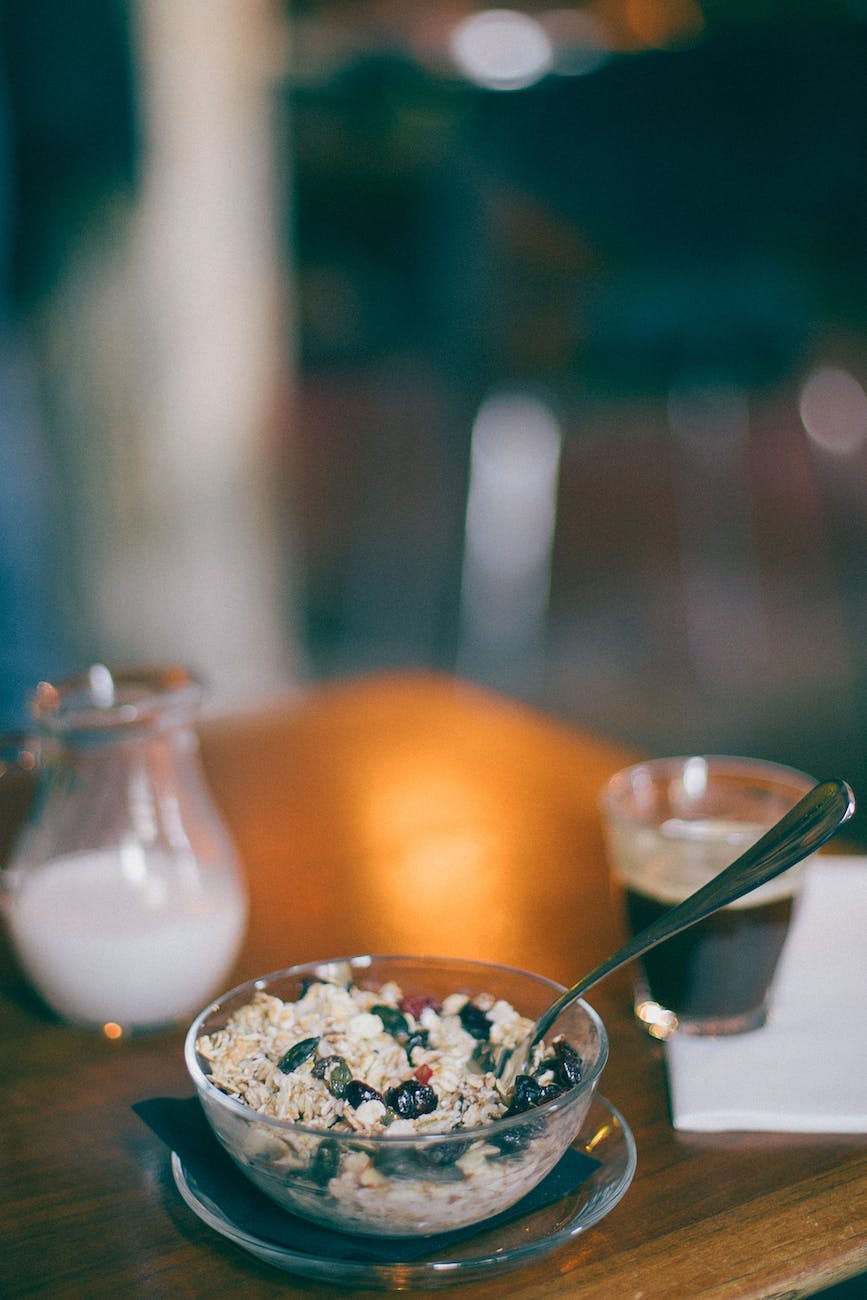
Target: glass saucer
x,y
605,1136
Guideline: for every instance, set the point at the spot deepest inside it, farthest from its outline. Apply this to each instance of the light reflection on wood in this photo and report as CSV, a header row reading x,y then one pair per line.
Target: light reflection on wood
x,y
432,838
417,814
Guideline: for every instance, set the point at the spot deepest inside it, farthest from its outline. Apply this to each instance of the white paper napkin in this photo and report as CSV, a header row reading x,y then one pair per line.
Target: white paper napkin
x,y
805,1071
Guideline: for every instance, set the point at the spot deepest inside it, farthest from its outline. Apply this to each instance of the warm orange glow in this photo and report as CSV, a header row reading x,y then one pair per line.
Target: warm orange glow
x,y
434,837
658,23
23,760
47,697
602,1133
112,1030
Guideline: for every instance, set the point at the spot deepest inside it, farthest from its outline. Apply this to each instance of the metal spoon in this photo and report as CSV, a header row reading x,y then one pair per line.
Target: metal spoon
x,y
807,826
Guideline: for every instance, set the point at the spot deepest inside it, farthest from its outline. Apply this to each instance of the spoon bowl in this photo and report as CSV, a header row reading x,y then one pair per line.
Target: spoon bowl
x,y
803,830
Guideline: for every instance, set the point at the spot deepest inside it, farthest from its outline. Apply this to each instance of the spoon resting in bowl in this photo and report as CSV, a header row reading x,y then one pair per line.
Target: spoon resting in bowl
x,y
804,829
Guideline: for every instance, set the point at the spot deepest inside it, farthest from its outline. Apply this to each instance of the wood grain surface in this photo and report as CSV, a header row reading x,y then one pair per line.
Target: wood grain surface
x,y
405,813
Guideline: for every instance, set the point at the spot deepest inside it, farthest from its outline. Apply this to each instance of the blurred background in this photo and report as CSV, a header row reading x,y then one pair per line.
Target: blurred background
x,y
527,344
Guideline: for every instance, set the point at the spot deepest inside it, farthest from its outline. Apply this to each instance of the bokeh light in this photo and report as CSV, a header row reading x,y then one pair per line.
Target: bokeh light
x,y
502,49
658,23
833,410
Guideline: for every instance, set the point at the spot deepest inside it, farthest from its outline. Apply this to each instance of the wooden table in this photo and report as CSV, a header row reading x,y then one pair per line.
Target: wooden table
x,y
405,814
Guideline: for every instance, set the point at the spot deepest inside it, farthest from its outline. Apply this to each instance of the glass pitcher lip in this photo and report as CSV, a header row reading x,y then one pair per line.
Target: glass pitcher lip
x,y
104,698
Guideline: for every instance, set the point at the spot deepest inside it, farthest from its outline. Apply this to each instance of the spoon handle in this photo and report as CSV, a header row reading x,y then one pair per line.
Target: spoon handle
x,y
803,829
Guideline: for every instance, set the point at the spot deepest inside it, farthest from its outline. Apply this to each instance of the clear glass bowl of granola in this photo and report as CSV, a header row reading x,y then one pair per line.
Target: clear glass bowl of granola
x,y
357,1092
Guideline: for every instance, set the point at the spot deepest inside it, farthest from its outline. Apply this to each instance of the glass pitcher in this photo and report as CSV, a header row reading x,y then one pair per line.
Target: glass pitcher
x,y
125,900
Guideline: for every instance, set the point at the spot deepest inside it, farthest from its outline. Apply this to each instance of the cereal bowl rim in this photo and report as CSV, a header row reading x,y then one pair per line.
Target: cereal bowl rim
x,y
204,1085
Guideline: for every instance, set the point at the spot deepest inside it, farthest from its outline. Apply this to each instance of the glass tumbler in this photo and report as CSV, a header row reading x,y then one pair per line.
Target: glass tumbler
x,y
124,897
670,825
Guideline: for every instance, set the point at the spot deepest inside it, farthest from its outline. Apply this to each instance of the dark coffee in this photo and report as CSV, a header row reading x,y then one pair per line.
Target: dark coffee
x,y
719,969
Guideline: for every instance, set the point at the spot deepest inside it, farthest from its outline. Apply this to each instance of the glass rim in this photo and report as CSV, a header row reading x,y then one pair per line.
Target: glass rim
x,y
103,699
764,771
232,1105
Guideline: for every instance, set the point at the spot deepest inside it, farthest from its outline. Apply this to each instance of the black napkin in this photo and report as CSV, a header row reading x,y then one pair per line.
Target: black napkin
x,y
181,1124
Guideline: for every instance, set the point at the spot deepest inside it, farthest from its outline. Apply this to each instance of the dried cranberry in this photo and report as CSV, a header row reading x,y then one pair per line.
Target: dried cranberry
x,y
416,1003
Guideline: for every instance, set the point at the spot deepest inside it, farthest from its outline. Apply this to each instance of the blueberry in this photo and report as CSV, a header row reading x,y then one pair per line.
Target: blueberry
x,y
416,1039
325,1162
570,1066
411,1099
356,1093
527,1094
513,1140
475,1021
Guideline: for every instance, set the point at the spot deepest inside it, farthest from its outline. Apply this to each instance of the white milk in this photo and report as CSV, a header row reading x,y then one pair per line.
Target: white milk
x,y
136,942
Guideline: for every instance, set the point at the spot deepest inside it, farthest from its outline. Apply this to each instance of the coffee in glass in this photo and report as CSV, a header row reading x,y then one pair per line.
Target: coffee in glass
x,y
670,826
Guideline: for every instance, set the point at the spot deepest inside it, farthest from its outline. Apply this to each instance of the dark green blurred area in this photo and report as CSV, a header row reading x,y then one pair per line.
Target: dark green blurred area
x,y
70,92
700,206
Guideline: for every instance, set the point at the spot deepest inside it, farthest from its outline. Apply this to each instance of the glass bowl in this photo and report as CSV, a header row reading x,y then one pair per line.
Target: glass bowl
x,y
400,1184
